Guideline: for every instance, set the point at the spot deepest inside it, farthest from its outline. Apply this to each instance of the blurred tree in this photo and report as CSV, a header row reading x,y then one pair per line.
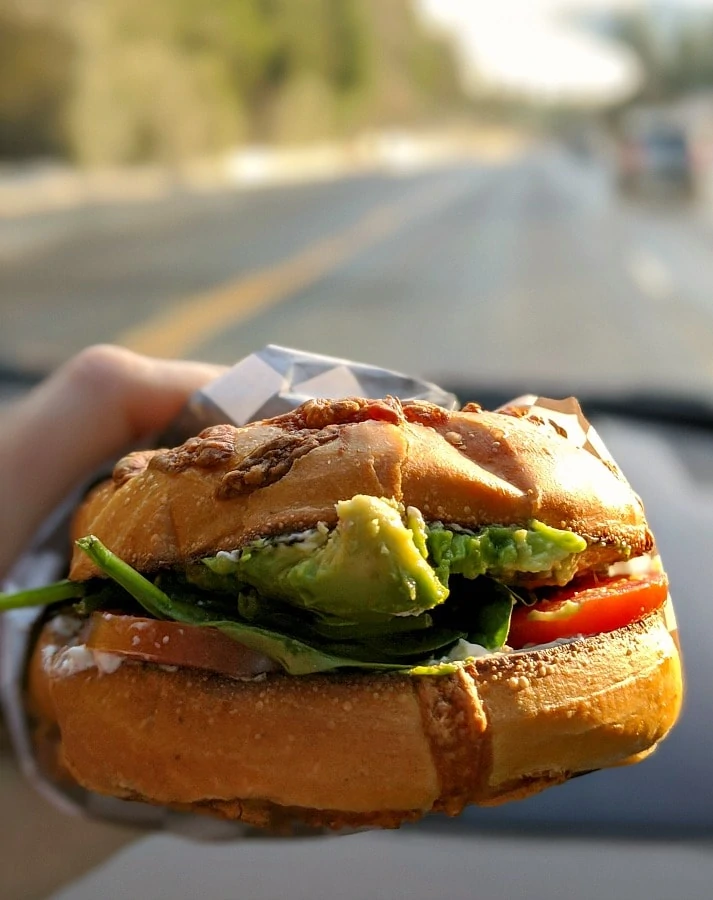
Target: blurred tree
x,y
121,81
318,73
414,75
151,84
147,101
304,110
35,61
692,66
676,53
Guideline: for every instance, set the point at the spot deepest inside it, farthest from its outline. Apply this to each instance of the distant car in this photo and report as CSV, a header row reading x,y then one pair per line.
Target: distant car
x,y
656,158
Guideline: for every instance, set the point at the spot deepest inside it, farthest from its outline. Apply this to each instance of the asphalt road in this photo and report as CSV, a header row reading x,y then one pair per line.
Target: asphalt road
x,y
530,271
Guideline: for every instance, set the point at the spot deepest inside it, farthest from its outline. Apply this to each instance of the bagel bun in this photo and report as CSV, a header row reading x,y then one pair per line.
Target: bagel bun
x,y
351,750
355,614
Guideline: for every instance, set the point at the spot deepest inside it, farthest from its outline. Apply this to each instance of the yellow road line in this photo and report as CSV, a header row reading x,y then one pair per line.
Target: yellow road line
x,y
185,325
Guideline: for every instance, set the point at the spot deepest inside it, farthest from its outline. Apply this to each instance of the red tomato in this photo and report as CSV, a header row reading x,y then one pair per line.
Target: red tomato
x,y
589,607
174,644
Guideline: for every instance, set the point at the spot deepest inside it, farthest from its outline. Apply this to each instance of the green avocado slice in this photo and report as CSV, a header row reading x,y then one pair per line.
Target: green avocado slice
x,y
381,562
505,552
366,569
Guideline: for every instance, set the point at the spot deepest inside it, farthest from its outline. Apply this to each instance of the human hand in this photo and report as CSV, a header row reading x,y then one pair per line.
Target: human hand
x,y
92,408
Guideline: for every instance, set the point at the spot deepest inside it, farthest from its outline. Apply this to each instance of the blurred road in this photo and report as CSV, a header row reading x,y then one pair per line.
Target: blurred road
x,y
530,272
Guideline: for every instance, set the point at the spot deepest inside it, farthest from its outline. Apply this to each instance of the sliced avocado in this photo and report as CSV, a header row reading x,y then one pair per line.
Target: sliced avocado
x,y
372,567
504,552
367,569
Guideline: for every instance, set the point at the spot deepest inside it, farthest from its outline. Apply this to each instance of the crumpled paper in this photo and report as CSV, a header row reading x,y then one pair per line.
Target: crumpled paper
x,y
264,384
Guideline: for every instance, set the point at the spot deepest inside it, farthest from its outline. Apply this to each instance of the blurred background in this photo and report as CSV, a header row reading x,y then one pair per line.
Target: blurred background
x,y
500,197
520,195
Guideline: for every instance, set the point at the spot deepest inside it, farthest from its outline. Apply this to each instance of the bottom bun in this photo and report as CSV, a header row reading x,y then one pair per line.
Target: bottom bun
x,y
365,749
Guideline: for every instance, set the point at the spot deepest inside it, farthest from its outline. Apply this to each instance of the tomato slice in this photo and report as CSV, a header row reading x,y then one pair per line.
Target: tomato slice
x,y
175,644
591,607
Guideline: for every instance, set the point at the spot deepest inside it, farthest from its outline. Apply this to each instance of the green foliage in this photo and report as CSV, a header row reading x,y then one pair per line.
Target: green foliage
x,y
676,59
124,81
35,62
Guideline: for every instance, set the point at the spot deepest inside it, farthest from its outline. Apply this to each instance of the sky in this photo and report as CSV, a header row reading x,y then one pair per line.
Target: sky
x,y
528,47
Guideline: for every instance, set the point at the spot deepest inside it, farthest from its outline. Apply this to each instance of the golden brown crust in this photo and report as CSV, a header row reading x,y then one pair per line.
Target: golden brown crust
x,y
369,749
229,485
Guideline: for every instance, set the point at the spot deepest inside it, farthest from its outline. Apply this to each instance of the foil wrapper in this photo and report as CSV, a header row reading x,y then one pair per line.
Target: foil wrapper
x,y
264,384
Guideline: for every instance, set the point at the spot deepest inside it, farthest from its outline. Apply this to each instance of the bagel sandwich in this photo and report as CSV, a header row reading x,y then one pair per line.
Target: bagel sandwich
x,y
354,614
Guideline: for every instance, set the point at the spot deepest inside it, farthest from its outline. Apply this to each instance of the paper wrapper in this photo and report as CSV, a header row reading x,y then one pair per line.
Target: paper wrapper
x,y
263,384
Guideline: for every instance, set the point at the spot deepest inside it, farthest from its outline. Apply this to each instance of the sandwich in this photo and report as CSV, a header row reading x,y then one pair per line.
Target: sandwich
x,y
354,614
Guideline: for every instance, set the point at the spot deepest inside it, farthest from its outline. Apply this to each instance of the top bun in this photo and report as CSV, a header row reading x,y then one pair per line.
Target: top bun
x,y
229,485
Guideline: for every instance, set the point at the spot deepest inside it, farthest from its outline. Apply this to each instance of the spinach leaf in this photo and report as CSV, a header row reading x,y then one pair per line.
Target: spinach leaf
x,y
492,618
43,596
151,598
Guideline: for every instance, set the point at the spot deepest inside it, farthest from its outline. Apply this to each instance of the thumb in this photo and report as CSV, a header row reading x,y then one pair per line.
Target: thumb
x,y
89,410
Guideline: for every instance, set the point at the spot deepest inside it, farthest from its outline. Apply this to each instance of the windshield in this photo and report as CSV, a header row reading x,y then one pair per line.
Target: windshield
x,y
523,198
